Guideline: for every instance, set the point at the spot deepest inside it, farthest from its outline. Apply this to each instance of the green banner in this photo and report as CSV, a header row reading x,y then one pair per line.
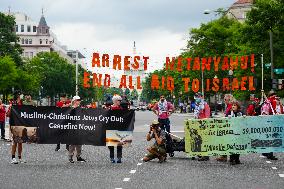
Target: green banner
x,y
239,135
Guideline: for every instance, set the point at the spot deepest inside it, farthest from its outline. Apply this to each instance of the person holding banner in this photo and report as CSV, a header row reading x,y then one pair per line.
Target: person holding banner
x,y
228,100
268,108
202,111
76,101
116,99
63,103
235,112
163,110
17,101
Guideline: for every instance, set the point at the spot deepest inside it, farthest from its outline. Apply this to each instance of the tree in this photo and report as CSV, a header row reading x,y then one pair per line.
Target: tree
x,y
127,93
56,74
134,94
8,40
8,75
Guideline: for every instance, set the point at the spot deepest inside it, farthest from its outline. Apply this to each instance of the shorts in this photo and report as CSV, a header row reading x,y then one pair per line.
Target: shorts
x,y
161,150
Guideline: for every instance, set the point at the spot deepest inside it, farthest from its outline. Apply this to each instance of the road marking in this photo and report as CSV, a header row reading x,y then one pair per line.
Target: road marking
x,y
8,144
268,162
281,175
118,188
274,167
262,156
142,158
139,164
126,179
132,171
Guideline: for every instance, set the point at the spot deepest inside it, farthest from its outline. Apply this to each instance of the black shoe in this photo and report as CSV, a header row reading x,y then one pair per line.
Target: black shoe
x,y
118,160
162,159
238,162
56,149
3,138
203,158
71,160
272,158
80,159
112,160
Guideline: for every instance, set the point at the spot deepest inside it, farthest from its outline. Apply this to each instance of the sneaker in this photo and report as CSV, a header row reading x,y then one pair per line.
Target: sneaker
x,y
162,159
71,160
112,160
80,159
118,160
56,149
14,161
22,161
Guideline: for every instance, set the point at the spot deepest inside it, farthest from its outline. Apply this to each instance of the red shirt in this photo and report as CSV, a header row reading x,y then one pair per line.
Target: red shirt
x,y
2,114
116,108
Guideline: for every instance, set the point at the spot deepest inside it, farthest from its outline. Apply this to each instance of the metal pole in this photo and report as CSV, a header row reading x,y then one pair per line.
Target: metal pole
x,y
262,91
271,54
202,83
76,61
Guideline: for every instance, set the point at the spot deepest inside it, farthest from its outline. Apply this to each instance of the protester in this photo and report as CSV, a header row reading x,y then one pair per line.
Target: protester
x,y
2,119
181,106
251,107
163,110
268,108
158,150
228,99
202,111
64,102
16,143
76,101
279,109
234,112
192,106
28,100
116,99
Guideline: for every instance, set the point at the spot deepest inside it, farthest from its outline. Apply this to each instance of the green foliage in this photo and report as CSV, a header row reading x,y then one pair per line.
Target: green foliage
x,y
134,94
8,40
8,73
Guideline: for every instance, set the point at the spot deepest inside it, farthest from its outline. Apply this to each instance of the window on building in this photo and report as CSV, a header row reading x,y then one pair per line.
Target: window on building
x,y
23,41
28,28
26,41
30,41
46,30
34,28
22,28
46,41
31,54
17,29
40,41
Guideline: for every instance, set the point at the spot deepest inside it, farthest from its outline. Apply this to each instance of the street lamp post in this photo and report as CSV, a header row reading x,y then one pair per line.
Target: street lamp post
x,y
215,77
76,61
231,72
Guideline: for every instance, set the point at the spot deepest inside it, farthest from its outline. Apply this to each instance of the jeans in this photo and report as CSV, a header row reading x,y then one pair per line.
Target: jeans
x,y
165,124
111,151
2,125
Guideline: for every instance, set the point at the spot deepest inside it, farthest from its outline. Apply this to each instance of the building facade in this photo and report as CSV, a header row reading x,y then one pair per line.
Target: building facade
x,y
239,10
36,37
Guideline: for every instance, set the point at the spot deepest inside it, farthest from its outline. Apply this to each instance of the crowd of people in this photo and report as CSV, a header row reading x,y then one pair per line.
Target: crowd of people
x,y
163,109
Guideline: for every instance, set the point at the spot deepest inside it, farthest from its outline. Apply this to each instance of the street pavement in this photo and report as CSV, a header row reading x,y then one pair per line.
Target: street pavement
x,y
46,168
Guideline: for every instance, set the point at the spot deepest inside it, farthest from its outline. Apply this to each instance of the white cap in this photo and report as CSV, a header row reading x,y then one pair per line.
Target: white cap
x,y
76,98
116,97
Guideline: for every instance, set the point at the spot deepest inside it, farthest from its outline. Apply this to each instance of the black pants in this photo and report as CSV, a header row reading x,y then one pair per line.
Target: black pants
x,y
111,151
235,157
165,124
2,125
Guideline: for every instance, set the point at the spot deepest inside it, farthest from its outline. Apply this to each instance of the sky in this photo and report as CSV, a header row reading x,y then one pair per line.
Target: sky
x,y
159,27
